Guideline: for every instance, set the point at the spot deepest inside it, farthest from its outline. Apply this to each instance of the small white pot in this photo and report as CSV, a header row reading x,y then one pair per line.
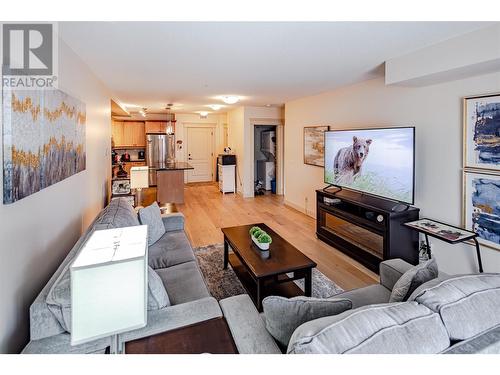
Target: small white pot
x,y
262,246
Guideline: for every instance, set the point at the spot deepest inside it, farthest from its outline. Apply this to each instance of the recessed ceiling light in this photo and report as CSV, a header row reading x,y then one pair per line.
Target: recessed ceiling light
x,y
215,107
230,99
143,112
268,105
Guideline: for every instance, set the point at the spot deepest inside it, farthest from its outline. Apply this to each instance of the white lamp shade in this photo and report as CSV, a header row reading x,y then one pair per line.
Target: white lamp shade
x,y
139,177
109,284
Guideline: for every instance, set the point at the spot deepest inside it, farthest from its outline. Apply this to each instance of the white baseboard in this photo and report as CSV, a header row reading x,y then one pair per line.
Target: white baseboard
x,y
299,208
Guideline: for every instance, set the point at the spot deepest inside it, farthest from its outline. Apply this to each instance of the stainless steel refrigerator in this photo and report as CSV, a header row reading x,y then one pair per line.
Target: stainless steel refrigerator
x,y
160,151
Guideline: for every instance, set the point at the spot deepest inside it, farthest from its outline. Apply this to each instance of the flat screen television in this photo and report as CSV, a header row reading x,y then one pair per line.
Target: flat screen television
x,y
377,161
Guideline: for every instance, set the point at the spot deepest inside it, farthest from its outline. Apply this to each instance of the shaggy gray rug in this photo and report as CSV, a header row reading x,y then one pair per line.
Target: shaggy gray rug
x,y
224,283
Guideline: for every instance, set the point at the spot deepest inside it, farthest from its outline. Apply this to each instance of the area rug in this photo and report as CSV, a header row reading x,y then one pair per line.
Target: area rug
x,y
223,283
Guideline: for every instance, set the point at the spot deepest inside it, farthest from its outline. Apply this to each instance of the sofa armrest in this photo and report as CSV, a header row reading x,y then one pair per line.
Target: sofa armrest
x,y
391,270
175,316
61,344
247,327
173,221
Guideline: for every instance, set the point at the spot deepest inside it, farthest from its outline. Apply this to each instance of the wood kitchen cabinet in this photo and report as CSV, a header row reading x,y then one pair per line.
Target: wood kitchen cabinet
x,y
128,134
117,133
156,127
134,133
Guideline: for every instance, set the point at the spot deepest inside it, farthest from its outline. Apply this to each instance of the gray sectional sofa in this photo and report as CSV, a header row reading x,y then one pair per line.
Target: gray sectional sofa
x,y
171,257
445,315
459,314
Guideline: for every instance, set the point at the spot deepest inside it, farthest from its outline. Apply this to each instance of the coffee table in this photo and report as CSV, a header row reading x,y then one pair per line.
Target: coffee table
x,y
264,273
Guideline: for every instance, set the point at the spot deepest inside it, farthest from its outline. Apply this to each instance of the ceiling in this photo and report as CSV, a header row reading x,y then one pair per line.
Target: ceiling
x,y
150,64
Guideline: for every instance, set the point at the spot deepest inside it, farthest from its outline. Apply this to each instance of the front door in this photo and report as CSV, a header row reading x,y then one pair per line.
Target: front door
x,y
200,154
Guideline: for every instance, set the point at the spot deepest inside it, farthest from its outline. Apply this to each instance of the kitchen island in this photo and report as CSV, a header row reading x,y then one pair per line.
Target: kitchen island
x,y
170,182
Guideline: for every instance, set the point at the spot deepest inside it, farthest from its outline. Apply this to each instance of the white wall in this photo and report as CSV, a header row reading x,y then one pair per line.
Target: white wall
x,y
435,111
446,61
236,140
37,232
241,140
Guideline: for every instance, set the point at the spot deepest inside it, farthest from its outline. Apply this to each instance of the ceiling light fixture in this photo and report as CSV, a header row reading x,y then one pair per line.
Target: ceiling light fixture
x,y
215,107
143,112
230,99
203,114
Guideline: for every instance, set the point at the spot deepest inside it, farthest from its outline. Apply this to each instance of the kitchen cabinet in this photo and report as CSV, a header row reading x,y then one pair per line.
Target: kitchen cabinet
x,y
128,134
117,133
139,134
156,127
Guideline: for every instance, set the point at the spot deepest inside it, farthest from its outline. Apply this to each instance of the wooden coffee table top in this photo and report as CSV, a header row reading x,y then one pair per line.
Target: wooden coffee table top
x,y
283,256
209,336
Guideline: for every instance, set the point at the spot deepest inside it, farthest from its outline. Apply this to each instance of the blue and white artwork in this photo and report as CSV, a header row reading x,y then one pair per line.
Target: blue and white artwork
x,y
482,207
482,132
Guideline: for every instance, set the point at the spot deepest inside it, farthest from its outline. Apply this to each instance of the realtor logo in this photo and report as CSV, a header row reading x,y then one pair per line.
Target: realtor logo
x,y
27,49
29,53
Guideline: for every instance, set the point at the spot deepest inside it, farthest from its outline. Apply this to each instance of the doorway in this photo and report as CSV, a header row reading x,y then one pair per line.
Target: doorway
x,y
264,163
200,153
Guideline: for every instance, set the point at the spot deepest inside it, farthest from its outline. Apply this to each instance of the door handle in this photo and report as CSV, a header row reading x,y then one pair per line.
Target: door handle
x,y
190,158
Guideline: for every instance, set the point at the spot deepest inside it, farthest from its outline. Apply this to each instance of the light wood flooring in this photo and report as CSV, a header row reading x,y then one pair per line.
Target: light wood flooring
x,y
207,210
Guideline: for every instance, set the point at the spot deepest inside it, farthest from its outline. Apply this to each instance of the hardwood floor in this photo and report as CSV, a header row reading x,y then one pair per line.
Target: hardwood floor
x,y
207,210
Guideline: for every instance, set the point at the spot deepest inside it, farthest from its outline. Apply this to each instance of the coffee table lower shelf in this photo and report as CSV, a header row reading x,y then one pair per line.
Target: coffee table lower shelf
x,y
285,286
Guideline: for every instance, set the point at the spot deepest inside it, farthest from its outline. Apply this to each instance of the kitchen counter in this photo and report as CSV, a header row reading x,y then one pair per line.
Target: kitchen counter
x,y
177,166
170,182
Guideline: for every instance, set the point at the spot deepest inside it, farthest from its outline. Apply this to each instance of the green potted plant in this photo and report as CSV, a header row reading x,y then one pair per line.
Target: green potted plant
x,y
260,238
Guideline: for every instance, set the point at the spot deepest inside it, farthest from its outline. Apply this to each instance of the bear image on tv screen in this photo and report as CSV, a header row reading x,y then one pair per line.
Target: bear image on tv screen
x,y
375,161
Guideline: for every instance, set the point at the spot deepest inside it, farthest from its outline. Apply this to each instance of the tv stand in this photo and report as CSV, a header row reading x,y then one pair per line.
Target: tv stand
x,y
367,228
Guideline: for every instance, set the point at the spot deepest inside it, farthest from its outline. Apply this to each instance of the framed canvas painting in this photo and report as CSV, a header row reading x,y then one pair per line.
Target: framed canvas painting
x,y
482,132
481,207
43,140
314,145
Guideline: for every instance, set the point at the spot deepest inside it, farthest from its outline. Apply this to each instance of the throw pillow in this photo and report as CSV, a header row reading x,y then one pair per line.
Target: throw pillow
x,y
412,279
157,295
284,315
151,216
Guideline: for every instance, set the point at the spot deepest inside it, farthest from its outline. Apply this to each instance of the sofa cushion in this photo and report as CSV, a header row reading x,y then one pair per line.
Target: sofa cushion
x,y
247,327
485,343
412,279
119,213
368,295
284,315
468,304
171,249
183,283
157,295
403,328
151,216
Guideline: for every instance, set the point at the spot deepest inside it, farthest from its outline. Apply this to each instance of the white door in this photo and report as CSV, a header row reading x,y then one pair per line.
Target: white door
x,y
200,154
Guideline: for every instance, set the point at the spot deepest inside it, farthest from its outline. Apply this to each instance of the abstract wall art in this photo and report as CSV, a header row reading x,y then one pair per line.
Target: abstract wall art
x,y
482,206
43,140
482,132
314,145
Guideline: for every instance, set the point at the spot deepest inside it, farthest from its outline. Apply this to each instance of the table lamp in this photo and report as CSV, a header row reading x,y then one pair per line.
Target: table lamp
x,y
139,179
109,287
